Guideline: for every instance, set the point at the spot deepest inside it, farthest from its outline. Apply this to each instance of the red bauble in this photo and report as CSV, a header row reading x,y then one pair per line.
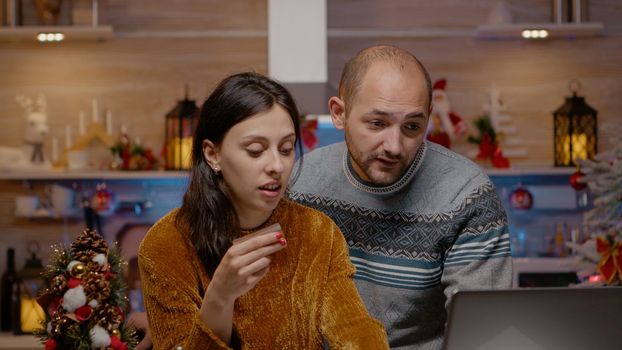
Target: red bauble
x,y
117,344
50,344
521,199
574,181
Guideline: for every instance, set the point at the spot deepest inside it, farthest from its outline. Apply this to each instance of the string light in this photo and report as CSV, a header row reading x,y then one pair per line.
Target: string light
x,y
45,37
535,33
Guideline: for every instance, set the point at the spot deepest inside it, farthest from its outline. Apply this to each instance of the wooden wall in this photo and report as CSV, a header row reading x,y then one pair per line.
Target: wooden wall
x,y
139,76
532,76
160,45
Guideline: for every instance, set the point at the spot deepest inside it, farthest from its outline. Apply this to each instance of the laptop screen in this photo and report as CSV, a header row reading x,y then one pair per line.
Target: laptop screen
x,y
535,319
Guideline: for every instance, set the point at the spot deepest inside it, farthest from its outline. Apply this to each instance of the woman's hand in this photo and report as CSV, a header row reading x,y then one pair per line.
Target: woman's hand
x,y
139,321
242,267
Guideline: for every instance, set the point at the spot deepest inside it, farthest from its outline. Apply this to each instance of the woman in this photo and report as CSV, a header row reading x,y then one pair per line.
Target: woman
x,y
286,289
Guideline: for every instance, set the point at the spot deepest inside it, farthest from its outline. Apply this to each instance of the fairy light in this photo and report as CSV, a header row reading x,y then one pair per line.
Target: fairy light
x,y
51,37
535,33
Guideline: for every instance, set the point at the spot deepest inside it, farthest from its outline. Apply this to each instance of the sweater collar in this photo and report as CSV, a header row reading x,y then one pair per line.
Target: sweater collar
x,y
369,187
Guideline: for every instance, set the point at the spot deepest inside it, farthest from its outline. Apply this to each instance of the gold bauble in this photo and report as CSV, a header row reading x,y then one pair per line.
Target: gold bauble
x,y
116,333
78,270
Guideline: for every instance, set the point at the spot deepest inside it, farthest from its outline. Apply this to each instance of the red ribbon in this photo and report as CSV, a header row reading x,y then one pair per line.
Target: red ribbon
x,y
610,264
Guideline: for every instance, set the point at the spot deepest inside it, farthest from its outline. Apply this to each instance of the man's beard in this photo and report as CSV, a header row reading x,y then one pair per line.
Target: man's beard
x,y
364,162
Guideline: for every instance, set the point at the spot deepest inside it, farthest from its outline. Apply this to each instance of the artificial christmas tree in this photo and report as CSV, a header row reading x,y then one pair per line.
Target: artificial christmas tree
x,y
85,300
602,253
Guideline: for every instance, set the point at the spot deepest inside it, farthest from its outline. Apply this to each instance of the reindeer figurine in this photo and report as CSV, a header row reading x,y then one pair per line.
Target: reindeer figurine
x,y
29,156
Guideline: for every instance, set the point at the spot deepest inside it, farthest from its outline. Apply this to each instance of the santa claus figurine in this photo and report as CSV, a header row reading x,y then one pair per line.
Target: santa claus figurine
x,y
444,124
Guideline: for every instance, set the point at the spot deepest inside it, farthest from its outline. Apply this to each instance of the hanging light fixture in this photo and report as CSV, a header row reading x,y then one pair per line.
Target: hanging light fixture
x,y
574,129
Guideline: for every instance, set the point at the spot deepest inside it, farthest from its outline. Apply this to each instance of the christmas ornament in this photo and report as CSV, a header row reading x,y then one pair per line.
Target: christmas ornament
x,y
488,143
308,131
50,344
99,337
576,182
83,313
444,124
87,310
78,269
610,265
521,198
102,201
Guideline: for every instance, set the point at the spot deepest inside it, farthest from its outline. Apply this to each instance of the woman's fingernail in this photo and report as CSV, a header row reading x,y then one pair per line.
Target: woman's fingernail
x,y
279,235
282,241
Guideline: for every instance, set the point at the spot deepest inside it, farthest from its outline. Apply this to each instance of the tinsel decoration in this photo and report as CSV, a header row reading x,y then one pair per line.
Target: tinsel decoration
x,y
85,299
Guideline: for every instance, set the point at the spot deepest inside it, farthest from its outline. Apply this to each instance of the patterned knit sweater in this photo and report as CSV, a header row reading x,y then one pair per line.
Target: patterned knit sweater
x,y
308,297
438,229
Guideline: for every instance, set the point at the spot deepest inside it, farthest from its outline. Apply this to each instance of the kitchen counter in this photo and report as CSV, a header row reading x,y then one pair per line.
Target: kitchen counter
x,y
10,341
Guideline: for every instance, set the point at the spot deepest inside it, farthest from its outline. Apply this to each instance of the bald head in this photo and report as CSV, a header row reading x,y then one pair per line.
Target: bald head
x,y
356,68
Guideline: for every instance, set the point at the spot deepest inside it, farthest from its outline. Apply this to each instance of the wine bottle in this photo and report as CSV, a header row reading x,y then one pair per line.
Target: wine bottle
x,y
9,280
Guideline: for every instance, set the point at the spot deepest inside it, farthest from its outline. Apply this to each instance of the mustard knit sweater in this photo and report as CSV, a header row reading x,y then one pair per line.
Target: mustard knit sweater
x,y
307,296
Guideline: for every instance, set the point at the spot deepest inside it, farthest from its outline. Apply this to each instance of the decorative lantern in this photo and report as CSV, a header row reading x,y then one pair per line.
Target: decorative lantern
x,y
30,282
574,130
181,122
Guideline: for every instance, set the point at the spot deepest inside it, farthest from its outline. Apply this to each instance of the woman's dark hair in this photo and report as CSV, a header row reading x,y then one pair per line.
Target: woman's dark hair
x,y
207,212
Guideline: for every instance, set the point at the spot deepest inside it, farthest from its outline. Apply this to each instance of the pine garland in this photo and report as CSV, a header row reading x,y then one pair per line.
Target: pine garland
x,y
85,300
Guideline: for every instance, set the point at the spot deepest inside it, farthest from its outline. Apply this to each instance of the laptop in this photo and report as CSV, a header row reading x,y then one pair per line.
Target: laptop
x,y
535,319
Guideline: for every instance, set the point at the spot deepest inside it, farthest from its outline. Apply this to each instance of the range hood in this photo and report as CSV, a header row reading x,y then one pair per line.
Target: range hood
x,y
312,98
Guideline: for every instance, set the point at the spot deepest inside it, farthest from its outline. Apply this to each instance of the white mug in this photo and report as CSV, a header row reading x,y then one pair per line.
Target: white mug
x,y
26,205
62,198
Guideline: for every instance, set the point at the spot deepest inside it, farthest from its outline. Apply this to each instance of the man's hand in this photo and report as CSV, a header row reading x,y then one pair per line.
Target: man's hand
x,y
139,321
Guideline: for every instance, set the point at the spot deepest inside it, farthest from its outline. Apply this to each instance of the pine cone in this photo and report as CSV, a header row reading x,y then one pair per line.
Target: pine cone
x,y
60,324
108,316
58,284
92,266
84,256
96,287
87,245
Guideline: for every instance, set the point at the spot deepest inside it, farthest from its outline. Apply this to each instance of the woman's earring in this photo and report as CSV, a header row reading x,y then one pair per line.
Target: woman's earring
x,y
216,170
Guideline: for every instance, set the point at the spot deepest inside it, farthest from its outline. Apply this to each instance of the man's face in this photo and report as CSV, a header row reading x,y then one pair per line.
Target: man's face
x,y
386,123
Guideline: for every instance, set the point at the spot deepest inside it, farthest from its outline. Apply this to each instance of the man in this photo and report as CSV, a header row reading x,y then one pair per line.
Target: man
x,y
420,220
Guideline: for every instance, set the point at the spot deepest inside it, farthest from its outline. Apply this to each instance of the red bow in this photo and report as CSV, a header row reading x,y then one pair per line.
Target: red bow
x,y
610,264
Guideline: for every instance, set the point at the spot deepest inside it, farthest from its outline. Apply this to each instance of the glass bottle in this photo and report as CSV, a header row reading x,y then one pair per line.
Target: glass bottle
x,y
9,280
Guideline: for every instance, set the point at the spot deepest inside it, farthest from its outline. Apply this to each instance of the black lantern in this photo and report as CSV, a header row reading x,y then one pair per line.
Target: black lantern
x,y
574,130
181,122
28,313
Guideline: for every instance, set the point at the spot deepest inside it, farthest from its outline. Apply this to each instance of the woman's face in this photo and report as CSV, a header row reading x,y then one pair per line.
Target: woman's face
x,y
256,158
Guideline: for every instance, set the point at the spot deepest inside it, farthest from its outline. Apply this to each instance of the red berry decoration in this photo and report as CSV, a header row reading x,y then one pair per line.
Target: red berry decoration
x,y
574,180
521,199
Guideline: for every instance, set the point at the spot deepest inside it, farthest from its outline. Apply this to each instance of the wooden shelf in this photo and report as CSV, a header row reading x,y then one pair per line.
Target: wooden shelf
x,y
95,175
530,170
71,33
555,30
181,175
